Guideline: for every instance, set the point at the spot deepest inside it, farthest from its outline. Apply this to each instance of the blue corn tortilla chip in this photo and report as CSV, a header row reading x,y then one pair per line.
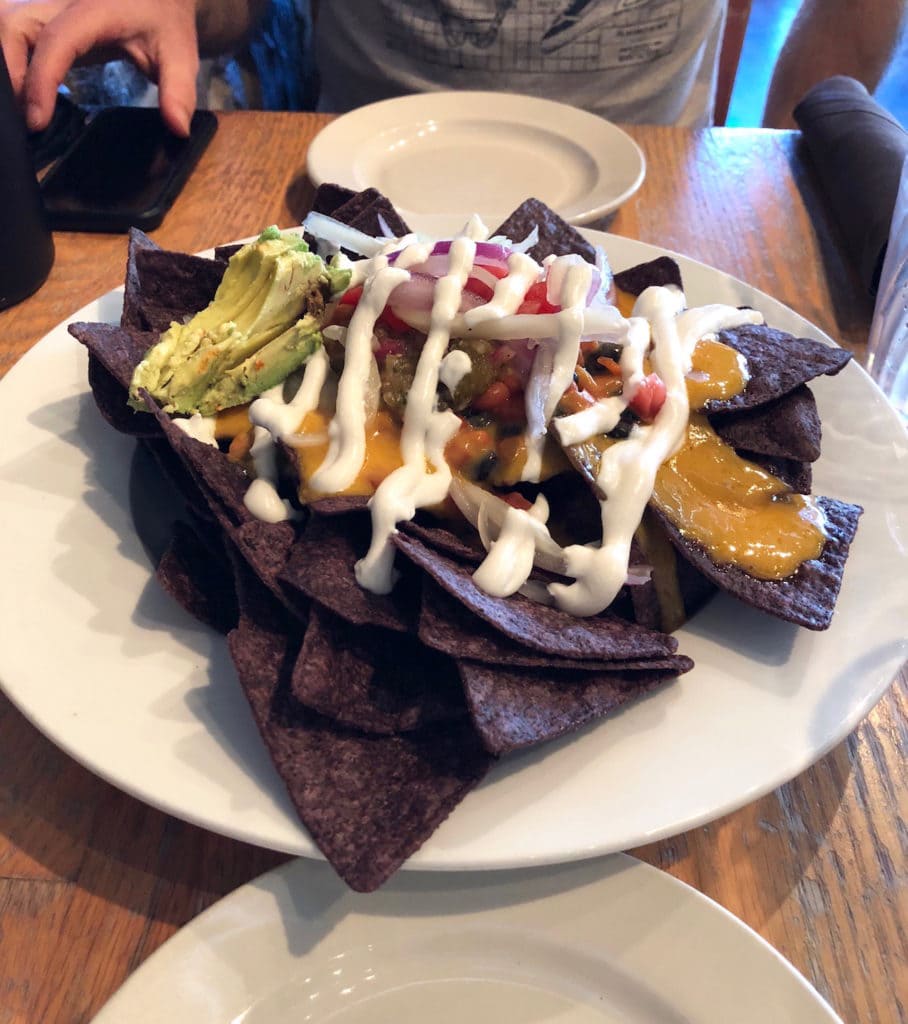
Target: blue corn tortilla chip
x,y
659,272
114,352
600,638
330,197
163,286
199,582
222,482
110,399
778,363
808,597
369,802
180,480
320,566
513,709
267,549
556,236
339,505
373,681
131,315
786,428
446,625
224,252
798,475
119,350
370,212
632,603
441,539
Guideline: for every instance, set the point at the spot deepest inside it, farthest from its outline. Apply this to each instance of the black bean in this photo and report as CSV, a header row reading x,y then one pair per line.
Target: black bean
x,y
485,466
625,425
480,420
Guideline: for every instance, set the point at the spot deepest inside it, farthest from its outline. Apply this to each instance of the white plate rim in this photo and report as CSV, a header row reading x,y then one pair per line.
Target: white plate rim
x,y
622,913
329,157
277,826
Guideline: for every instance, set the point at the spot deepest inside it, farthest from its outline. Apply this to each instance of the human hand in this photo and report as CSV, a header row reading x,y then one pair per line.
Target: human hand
x,y
42,39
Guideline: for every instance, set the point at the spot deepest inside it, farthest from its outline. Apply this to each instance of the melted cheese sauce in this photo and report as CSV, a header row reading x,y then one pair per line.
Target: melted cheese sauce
x,y
717,372
404,468
739,513
381,453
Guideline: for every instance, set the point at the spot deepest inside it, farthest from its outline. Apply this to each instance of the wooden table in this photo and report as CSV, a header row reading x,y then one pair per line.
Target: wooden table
x,y
91,881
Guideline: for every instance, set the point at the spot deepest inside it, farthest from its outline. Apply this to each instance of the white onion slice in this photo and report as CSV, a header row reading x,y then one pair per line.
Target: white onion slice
x,y
341,236
486,512
385,230
531,239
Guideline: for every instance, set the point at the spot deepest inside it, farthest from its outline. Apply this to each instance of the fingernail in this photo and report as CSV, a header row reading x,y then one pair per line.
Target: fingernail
x,y
185,119
33,117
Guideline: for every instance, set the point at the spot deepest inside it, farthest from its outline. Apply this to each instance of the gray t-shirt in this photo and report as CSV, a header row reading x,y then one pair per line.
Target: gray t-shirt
x,y
643,61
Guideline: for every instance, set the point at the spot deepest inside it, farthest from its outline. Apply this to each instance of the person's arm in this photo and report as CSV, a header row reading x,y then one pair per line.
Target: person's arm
x,y
222,24
42,39
833,37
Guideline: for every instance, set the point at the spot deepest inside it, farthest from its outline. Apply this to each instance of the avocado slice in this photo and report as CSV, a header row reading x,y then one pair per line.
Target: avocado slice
x,y
263,322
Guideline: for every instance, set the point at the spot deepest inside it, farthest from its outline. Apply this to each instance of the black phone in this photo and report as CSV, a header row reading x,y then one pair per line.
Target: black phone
x,y
124,170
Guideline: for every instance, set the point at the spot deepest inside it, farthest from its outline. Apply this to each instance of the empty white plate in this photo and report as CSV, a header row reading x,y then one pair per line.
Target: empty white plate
x,y
608,942
456,153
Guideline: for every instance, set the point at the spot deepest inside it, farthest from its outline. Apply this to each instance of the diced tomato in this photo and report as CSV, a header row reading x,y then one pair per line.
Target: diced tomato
x,y
480,288
495,269
392,321
496,394
536,300
513,410
387,316
649,397
517,500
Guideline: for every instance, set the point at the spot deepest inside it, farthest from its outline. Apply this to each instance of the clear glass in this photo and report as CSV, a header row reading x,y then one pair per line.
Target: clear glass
x,y
887,350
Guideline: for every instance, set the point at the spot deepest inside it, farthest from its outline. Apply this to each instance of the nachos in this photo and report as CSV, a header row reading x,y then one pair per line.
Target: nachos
x,y
449,498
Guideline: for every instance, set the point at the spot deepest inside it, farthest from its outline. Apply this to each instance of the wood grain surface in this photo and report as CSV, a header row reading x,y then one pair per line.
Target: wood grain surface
x,y
92,881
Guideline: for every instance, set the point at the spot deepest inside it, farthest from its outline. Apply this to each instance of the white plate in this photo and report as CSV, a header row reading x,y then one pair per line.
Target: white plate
x,y
437,154
607,942
117,675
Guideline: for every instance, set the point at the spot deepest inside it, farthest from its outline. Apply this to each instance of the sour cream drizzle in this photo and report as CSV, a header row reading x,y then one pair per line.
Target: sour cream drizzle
x,y
660,325
508,292
275,419
282,418
261,497
553,367
425,477
347,431
198,427
454,367
628,469
604,414
508,565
